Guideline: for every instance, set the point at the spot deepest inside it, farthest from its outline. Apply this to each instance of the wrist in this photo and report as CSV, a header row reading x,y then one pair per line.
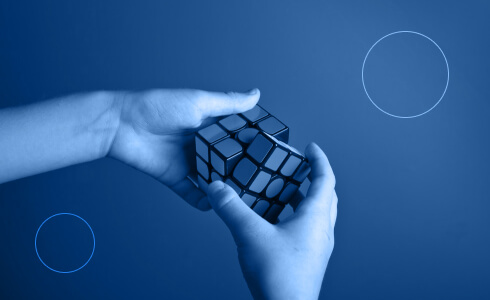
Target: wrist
x,y
106,127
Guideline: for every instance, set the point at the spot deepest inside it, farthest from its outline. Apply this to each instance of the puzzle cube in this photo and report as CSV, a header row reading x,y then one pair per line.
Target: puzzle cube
x,y
249,152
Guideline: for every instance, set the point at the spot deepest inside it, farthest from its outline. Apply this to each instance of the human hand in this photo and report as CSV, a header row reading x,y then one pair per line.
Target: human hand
x,y
156,133
286,260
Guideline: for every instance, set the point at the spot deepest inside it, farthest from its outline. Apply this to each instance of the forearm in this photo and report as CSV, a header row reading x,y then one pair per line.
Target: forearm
x,y
56,133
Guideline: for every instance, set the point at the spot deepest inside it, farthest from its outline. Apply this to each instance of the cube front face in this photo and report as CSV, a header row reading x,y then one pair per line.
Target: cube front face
x,y
249,152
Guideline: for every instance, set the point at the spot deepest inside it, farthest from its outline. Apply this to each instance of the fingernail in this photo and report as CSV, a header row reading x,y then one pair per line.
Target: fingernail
x,y
252,91
215,187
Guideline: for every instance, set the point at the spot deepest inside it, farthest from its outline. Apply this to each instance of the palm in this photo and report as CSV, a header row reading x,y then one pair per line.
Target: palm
x,y
156,135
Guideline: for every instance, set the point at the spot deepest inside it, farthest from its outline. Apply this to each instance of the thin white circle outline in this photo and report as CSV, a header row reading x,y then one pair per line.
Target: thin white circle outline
x,y
445,88
54,270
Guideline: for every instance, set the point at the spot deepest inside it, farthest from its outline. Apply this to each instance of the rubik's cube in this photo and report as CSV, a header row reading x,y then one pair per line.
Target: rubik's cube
x,y
249,152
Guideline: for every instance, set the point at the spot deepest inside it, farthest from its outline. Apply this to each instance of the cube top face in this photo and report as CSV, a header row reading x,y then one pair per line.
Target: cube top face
x,y
256,114
271,126
212,133
233,123
249,152
247,135
228,147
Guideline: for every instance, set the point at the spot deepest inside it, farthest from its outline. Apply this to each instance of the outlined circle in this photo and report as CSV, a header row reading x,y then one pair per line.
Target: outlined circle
x,y
412,116
57,271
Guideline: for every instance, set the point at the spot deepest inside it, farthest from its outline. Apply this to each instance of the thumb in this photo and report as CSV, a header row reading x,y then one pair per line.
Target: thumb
x,y
215,104
232,210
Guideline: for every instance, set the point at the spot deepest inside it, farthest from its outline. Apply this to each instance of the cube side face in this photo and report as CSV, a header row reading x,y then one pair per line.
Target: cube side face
x,y
291,164
274,187
202,183
289,190
276,159
202,149
202,168
261,207
218,163
302,172
260,181
248,198
244,171
234,185
273,212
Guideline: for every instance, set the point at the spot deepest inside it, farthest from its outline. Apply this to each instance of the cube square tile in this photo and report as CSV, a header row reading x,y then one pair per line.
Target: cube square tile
x,y
259,148
254,115
275,128
225,155
207,137
244,171
259,182
233,123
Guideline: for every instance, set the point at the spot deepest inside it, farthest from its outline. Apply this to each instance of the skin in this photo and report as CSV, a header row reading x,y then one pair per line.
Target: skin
x,y
285,260
153,132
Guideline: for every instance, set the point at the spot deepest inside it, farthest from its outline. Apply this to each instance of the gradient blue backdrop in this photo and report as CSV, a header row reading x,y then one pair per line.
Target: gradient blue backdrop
x,y
414,210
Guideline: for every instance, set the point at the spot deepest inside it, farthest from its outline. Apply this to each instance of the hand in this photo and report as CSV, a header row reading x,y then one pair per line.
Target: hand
x,y
286,260
156,133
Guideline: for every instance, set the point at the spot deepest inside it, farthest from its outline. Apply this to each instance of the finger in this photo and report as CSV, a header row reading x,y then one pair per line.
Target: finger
x,y
188,191
333,210
215,104
319,196
239,218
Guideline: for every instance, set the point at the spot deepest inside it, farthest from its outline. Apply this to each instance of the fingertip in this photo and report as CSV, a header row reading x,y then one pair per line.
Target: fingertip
x,y
253,91
312,150
251,99
215,187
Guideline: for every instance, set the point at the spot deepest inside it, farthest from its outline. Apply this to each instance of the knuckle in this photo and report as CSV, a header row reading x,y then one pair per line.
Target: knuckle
x,y
232,95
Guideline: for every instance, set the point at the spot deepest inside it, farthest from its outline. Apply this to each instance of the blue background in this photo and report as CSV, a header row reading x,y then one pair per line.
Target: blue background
x,y
414,210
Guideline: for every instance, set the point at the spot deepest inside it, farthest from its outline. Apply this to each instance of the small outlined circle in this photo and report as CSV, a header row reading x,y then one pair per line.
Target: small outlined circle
x,y
93,248
411,116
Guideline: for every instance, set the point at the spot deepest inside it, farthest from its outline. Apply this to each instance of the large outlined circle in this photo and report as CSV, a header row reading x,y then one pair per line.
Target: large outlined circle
x,y
54,270
411,116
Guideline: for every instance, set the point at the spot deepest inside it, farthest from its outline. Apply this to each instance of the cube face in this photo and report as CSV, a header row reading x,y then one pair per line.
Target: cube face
x,y
202,168
244,171
256,114
247,135
274,187
233,123
275,128
249,152
275,160
248,198
225,155
207,137
291,164
289,190
259,182
259,148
